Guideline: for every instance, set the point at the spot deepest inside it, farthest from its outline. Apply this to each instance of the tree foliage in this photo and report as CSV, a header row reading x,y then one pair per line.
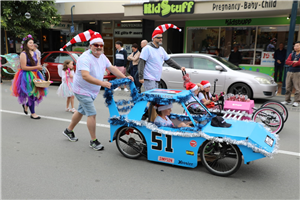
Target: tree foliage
x,y
43,15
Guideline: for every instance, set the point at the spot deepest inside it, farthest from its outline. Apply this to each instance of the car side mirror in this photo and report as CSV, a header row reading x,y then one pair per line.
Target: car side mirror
x,y
218,67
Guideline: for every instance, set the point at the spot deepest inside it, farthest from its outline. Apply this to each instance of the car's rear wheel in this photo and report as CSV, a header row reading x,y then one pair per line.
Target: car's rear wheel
x,y
241,88
131,142
162,84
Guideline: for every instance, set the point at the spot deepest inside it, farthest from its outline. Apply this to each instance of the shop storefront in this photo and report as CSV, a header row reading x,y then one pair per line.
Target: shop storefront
x,y
257,39
256,27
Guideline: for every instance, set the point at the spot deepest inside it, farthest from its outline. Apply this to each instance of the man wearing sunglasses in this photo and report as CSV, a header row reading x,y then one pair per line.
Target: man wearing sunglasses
x,y
152,58
88,79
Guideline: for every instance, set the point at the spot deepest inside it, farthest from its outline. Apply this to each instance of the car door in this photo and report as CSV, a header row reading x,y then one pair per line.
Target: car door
x,y
173,77
53,60
204,68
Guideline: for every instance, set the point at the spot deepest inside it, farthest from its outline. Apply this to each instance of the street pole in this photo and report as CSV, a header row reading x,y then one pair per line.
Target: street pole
x,y
6,42
72,27
290,41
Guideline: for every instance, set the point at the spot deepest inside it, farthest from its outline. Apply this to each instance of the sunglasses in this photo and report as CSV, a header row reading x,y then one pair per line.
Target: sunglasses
x,y
159,38
98,45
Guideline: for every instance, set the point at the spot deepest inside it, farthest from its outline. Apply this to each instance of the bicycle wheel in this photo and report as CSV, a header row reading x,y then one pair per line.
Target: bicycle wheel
x,y
270,117
220,159
278,106
131,142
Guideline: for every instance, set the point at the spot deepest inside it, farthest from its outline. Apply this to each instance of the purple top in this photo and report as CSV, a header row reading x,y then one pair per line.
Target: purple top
x,y
28,63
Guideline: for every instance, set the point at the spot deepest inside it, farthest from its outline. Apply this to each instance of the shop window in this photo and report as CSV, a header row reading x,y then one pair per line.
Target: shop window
x,y
268,40
203,40
203,63
243,37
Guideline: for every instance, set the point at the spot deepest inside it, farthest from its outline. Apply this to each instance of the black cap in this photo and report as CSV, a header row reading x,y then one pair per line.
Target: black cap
x,y
219,122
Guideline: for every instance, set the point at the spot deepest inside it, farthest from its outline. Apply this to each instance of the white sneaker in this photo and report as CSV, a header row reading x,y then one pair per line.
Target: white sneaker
x,y
286,103
126,90
117,89
295,104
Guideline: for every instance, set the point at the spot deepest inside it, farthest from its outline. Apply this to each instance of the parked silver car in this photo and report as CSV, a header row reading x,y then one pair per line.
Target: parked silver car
x,y
231,79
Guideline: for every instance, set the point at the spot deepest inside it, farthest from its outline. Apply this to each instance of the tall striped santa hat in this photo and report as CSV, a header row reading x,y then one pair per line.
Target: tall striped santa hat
x,y
162,28
89,35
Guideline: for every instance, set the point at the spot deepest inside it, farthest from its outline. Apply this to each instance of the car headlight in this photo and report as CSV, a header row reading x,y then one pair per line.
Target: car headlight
x,y
262,80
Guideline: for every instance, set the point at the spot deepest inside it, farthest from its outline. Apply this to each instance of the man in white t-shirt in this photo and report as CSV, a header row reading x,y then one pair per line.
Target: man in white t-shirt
x,y
87,83
153,57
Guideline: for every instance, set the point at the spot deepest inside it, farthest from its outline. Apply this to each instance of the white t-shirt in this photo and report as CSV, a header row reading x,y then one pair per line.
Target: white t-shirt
x,y
96,67
201,96
162,122
154,58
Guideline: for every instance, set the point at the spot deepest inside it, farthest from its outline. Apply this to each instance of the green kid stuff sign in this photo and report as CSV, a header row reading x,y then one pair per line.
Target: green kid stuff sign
x,y
166,8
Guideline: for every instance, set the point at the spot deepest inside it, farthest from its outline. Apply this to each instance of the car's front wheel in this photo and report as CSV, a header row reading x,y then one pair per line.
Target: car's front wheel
x,y
241,88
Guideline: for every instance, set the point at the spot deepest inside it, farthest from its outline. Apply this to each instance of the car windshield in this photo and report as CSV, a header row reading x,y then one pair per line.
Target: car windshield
x,y
76,55
227,63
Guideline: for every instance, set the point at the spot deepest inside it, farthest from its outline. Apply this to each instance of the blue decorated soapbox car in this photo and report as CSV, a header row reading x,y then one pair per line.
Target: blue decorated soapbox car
x,y
221,150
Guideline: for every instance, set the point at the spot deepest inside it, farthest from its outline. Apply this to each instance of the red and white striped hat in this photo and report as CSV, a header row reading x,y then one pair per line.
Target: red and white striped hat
x,y
89,35
162,28
191,86
205,84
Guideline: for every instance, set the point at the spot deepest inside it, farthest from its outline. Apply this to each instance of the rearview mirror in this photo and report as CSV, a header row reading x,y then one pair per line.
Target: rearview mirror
x,y
218,67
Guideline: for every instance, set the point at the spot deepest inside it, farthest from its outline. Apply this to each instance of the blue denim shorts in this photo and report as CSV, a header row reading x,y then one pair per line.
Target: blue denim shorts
x,y
86,105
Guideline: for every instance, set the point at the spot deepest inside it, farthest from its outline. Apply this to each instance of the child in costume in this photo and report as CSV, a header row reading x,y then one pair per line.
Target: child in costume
x,y
23,86
205,96
162,119
195,89
66,87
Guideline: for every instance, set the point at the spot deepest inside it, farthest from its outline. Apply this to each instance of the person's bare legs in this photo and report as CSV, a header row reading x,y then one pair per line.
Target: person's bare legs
x,y
68,102
75,120
91,124
72,101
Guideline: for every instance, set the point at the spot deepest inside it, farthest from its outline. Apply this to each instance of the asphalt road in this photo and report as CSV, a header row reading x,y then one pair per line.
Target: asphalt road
x,y
38,162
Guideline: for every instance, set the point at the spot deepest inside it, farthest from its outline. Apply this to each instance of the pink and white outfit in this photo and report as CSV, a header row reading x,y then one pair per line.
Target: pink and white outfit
x,y
66,87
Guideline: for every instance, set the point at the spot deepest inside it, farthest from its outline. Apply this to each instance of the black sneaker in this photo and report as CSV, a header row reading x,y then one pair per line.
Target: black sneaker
x,y
70,135
96,145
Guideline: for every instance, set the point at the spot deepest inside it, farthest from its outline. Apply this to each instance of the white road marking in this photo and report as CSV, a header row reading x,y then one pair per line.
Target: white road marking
x,y
107,126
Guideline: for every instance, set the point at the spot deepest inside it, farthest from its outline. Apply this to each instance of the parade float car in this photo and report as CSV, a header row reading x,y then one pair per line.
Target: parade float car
x,y
220,150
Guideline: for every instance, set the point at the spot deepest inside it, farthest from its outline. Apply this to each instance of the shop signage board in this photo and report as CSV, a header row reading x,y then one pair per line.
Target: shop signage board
x,y
244,5
128,33
267,58
165,8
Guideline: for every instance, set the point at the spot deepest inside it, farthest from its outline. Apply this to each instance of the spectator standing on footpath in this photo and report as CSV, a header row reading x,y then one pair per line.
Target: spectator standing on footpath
x,y
37,51
151,61
217,52
144,43
279,57
235,57
88,80
293,76
134,58
120,60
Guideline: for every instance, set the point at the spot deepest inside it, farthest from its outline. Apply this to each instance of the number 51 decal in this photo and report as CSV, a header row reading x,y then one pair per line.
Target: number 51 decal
x,y
159,142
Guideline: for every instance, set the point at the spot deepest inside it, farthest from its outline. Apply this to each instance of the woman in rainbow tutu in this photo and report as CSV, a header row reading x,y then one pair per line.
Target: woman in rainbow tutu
x,y
23,86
